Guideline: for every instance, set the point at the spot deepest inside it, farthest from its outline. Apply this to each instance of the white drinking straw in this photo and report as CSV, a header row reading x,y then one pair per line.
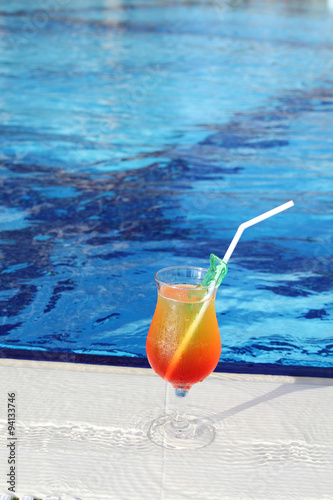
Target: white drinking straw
x,y
195,323
251,222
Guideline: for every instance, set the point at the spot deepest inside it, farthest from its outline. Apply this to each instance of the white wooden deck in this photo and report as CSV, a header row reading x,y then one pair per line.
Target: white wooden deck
x,y
81,433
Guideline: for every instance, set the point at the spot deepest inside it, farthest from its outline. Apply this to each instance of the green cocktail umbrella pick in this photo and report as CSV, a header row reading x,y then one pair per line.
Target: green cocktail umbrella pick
x,y
216,272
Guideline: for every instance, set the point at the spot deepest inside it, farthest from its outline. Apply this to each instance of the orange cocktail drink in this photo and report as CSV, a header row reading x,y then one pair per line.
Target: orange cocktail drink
x,y
181,349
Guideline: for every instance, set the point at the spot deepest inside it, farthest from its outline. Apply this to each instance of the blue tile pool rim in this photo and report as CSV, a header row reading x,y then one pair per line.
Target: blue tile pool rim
x,y
138,362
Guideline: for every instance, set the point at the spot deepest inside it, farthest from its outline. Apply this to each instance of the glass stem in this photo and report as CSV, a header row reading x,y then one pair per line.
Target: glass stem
x,y
180,421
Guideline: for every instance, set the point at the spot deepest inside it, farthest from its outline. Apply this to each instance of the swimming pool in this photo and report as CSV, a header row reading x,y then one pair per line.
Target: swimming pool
x,y
138,135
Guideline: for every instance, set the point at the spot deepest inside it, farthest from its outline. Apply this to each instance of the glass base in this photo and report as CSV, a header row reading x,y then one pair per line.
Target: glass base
x,y
198,432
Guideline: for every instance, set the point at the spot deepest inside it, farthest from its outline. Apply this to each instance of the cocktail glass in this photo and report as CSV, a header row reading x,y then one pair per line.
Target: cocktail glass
x,y
183,347
183,344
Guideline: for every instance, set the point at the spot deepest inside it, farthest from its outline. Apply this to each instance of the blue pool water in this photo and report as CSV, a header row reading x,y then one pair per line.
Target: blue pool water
x,y
139,134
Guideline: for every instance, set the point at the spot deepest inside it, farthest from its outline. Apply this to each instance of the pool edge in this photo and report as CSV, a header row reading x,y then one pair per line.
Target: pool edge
x,y
141,362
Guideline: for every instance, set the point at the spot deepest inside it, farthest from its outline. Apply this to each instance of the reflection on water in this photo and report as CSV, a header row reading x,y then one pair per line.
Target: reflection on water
x,y
136,136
